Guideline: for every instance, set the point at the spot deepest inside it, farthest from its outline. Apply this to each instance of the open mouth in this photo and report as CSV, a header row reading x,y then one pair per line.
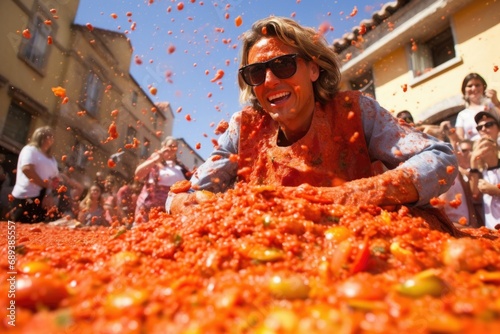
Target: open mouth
x,y
278,97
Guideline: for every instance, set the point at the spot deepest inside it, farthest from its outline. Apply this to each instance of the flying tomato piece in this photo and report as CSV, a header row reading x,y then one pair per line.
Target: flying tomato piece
x,y
218,76
354,11
59,91
238,21
26,33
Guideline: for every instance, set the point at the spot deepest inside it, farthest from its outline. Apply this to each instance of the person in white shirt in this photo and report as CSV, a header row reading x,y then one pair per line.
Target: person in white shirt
x,y
37,175
477,98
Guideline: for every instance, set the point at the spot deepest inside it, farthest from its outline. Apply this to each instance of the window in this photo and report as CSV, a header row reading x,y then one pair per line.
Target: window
x,y
364,83
134,98
155,120
131,134
92,93
436,51
145,148
17,124
34,50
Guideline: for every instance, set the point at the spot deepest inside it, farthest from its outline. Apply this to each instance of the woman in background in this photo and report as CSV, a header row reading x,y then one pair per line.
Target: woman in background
x,y
477,98
160,171
92,211
36,178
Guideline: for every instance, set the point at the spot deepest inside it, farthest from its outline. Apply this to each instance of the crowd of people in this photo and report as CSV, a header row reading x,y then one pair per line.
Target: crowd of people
x,y
43,193
475,193
298,129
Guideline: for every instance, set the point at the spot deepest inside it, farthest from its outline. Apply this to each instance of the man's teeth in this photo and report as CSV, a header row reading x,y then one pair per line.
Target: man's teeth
x,y
277,96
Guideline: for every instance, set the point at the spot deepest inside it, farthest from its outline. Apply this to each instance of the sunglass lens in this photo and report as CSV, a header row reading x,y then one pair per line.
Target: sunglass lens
x,y
486,125
254,75
284,67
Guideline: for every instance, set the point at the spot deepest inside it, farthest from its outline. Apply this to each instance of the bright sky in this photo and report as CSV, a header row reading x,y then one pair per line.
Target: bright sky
x,y
182,45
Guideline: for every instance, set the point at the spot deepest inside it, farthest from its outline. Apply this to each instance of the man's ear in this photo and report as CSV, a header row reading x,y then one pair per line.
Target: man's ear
x,y
313,71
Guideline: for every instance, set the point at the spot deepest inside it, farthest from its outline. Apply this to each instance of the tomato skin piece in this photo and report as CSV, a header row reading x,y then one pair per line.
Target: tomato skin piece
x,y
362,258
33,292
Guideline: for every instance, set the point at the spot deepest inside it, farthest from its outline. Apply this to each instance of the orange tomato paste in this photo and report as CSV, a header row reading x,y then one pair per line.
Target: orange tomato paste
x,y
254,260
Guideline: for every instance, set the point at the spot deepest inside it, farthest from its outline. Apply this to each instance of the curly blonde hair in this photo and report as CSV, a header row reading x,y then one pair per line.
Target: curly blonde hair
x,y
310,45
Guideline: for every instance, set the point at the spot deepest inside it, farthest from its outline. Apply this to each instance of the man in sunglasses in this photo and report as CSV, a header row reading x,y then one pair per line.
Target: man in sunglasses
x,y
298,128
484,174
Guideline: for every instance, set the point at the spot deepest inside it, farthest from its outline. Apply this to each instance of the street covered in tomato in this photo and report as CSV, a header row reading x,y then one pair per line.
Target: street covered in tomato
x,y
255,260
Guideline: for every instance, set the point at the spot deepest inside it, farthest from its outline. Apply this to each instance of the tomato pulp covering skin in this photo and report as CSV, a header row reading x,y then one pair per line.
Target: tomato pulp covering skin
x,y
255,260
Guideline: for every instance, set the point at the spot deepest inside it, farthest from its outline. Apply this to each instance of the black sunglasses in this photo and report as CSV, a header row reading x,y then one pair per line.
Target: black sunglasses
x,y
282,67
486,125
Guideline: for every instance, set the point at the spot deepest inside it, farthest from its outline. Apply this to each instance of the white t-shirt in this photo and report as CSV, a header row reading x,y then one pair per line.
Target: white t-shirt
x,y
465,120
168,175
45,167
491,204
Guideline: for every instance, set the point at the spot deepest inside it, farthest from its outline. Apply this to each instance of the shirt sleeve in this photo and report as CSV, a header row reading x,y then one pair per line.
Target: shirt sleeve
x,y
431,162
219,171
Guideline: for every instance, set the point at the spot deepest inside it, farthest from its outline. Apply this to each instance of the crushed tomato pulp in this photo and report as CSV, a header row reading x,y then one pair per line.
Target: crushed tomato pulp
x,y
255,260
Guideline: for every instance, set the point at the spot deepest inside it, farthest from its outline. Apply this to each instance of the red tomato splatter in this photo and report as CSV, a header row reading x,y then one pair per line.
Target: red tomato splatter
x,y
414,46
354,137
495,68
49,40
114,113
450,169
113,133
89,26
26,34
238,21
113,15
455,203
59,91
129,14
48,22
188,118
218,76
153,90
354,11
180,6
198,146
221,127
435,201
362,30
404,87
171,49
323,28
111,163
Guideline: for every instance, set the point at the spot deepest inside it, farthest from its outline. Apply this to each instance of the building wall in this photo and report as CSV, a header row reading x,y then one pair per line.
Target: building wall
x,y
75,51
